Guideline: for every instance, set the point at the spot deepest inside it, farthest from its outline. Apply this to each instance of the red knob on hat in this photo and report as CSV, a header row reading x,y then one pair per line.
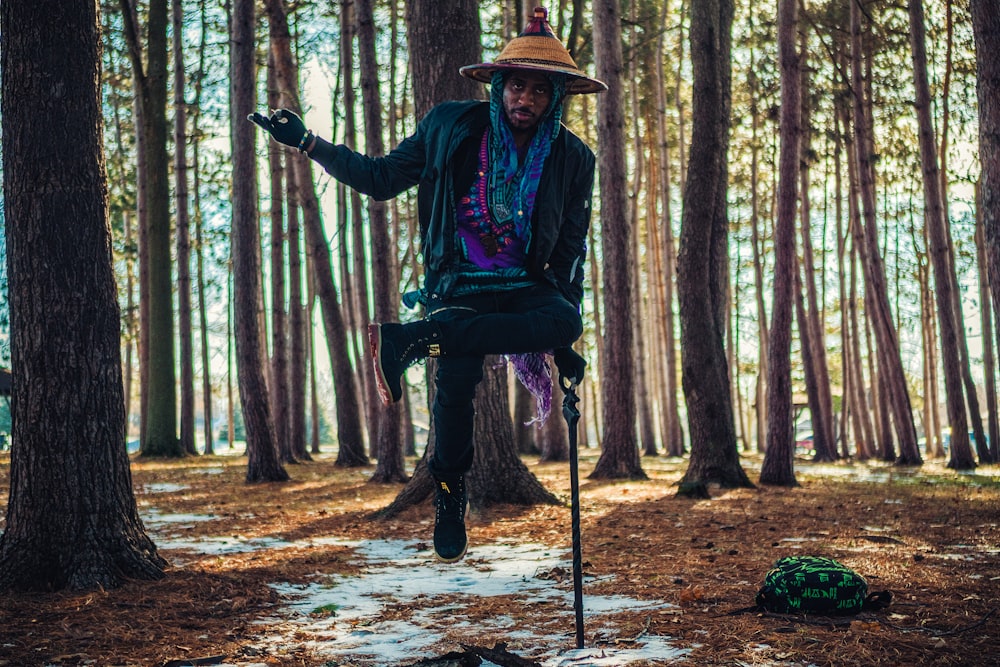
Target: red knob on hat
x,y
539,24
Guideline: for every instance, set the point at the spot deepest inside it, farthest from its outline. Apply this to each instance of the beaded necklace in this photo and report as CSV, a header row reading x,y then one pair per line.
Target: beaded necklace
x,y
494,236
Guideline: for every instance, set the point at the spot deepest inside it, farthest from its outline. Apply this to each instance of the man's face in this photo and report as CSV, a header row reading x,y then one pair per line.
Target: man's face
x,y
526,96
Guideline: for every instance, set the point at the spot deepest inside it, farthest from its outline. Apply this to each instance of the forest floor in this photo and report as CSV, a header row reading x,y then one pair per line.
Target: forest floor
x,y
297,574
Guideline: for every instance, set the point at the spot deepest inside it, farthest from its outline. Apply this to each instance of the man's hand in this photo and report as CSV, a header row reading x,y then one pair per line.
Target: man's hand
x,y
571,366
285,127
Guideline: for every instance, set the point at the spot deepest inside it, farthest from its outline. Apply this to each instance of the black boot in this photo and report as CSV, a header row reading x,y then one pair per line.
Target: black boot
x,y
395,347
450,541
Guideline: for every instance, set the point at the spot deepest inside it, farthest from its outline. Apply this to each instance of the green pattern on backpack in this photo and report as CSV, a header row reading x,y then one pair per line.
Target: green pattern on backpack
x,y
812,585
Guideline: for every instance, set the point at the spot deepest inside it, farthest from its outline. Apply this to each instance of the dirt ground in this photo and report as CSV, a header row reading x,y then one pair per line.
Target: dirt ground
x,y
931,537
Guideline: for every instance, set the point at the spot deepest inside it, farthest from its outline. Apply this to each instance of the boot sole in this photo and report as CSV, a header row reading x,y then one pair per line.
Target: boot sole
x,y
375,347
465,548
457,558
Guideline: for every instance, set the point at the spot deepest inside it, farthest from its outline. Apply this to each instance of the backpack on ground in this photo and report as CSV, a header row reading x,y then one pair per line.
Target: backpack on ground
x,y
817,585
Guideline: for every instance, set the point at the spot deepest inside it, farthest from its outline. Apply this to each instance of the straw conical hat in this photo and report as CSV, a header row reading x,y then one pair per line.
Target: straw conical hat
x,y
537,48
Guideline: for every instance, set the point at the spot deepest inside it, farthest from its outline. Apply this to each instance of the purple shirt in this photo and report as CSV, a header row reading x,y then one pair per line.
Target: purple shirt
x,y
485,243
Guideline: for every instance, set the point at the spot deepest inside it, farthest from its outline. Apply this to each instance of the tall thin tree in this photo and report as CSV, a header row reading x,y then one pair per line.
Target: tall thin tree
x,y
702,264
945,287
620,457
986,29
388,441
278,384
263,464
778,467
896,399
199,238
159,429
183,225
349,430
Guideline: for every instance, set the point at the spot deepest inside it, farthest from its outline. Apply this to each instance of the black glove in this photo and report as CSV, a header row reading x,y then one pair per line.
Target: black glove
x,y
285,127
570,365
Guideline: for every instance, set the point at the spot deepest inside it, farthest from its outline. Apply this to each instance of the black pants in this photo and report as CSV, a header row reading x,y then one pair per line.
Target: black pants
x,y
531,319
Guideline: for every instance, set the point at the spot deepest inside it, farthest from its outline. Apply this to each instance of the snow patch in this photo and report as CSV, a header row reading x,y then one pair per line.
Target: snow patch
x,y
343,612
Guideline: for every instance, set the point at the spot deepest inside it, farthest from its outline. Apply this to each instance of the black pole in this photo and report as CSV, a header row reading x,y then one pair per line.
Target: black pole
x,y
572,415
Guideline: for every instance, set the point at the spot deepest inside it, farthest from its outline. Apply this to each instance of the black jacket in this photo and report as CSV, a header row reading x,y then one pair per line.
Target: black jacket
x,y
441,158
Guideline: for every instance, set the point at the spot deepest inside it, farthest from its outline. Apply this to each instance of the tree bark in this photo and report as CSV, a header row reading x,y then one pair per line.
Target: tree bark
x,y
354,260
644,395
278,384
72,520
939,250
824,441
159,430
620,458
763,335
986,28
928,344
297,334
206,374
349,432
388,443
554,434
866,440
897,399
183,225
986,323
435,72
673,442
982,446
498,475
702,268
778,467
263,464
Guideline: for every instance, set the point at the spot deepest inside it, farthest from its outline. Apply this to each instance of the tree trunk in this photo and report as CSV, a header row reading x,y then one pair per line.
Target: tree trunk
x,y
71,519
263,464
525,434
673,442
498,475
206,375
184,327
596,384
159,431
866,437
927,343
230,402
297,324
949,320
824,441
129,256
313,425
986,28
620,458
435,77
763,335
278,384
982,446
349,433
354,265
554,435
644,396
849,410
897,399
778,468
702,268
986,323
388,444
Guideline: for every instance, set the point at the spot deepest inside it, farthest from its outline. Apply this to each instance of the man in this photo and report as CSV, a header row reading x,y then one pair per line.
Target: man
x,y
503,197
